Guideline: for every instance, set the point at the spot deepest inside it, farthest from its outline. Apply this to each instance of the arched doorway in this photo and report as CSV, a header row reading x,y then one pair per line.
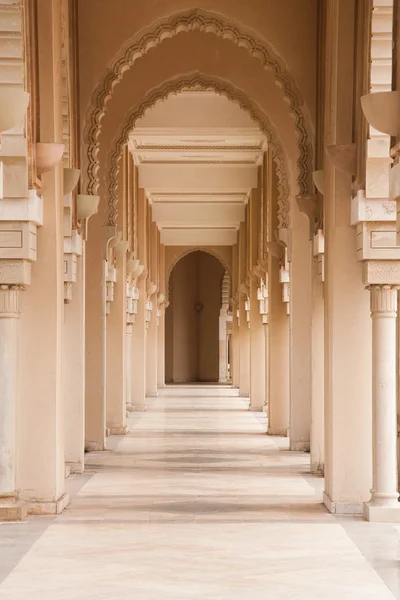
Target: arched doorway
x,y
192,319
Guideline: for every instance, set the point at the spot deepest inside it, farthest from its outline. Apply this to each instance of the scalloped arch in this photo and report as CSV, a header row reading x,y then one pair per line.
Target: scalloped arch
x,y
197,82
184,253
188,21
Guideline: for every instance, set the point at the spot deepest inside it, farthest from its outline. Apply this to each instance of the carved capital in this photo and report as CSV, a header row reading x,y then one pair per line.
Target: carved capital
x,y
9,301
383,300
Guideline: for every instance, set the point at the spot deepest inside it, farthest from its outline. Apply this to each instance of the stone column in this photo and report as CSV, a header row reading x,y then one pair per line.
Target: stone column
x,y
235,348
300,333
115,361
74,379
128,368
347,333
161,349
151,349
223,362
139,352
317,399
257,352
244,350
278,359
384,505
10,508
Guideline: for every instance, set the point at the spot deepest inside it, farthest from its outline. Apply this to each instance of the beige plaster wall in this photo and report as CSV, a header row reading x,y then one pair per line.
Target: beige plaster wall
x,y
192,337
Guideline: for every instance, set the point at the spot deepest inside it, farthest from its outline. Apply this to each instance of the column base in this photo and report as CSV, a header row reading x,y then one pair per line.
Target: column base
x,y
382,513
256,408
317,468
76,468
67,470
12,509
94,446
48,508
140,408
343,508
278,432
118,430
300,446
129,408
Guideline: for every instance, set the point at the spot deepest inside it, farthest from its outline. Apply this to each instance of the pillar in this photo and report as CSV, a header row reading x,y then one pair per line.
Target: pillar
x,y
384,505
115,360
278,359
40,456
222,348
257,352
235,347
300,333
244,349
161,349
347,332
151,349
139,352
317,398
128,368
74,376
10,508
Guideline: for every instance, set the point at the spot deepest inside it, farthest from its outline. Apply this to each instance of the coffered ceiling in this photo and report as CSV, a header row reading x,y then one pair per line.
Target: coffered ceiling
x,y
198,155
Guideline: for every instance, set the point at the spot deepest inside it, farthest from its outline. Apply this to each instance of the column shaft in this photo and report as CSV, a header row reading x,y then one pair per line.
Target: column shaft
x,y
384,505
139,352
128,369
317,399
257,352
244,349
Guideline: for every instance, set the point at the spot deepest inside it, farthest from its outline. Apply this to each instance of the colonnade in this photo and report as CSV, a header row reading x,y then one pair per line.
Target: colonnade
x,y
83,289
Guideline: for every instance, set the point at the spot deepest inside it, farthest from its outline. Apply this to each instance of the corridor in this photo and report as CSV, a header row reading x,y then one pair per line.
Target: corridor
x,y
196,502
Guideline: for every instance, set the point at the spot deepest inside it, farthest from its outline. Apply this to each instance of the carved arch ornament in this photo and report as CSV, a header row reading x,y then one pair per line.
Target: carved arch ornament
x,y
184,253
189,21
199,82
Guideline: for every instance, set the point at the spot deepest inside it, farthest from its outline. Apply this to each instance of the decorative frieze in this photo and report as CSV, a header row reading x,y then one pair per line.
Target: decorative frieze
x,y
380,272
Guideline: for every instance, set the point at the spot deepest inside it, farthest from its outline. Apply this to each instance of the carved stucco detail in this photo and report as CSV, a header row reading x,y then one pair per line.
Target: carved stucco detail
x,y
381,272
199,83
196,20
184,253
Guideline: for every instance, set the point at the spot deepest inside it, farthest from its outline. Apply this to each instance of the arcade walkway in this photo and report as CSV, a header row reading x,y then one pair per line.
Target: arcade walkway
x,y
197,503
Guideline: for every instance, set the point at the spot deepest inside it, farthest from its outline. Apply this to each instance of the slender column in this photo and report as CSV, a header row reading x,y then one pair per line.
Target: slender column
x,y
257,352
317,399
161,349
223,363
278,359
300,333
10,509
244,349
384,505
115,361
74,379
128,370
235,348
139,352
151,349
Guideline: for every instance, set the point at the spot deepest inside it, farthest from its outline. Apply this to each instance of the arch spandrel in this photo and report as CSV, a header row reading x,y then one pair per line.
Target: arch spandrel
x,y
196,21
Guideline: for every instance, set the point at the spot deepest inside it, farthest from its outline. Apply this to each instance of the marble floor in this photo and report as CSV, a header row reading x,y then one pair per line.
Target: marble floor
x,y
196,502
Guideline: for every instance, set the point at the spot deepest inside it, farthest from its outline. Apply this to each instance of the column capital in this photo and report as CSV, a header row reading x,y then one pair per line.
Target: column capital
x,y
383,300
9,301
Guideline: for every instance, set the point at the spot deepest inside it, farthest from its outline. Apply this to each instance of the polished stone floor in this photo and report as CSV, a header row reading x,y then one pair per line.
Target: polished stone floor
x,y
196,502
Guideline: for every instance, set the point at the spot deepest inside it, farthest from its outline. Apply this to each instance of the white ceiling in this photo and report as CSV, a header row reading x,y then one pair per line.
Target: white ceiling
x,y
198,155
